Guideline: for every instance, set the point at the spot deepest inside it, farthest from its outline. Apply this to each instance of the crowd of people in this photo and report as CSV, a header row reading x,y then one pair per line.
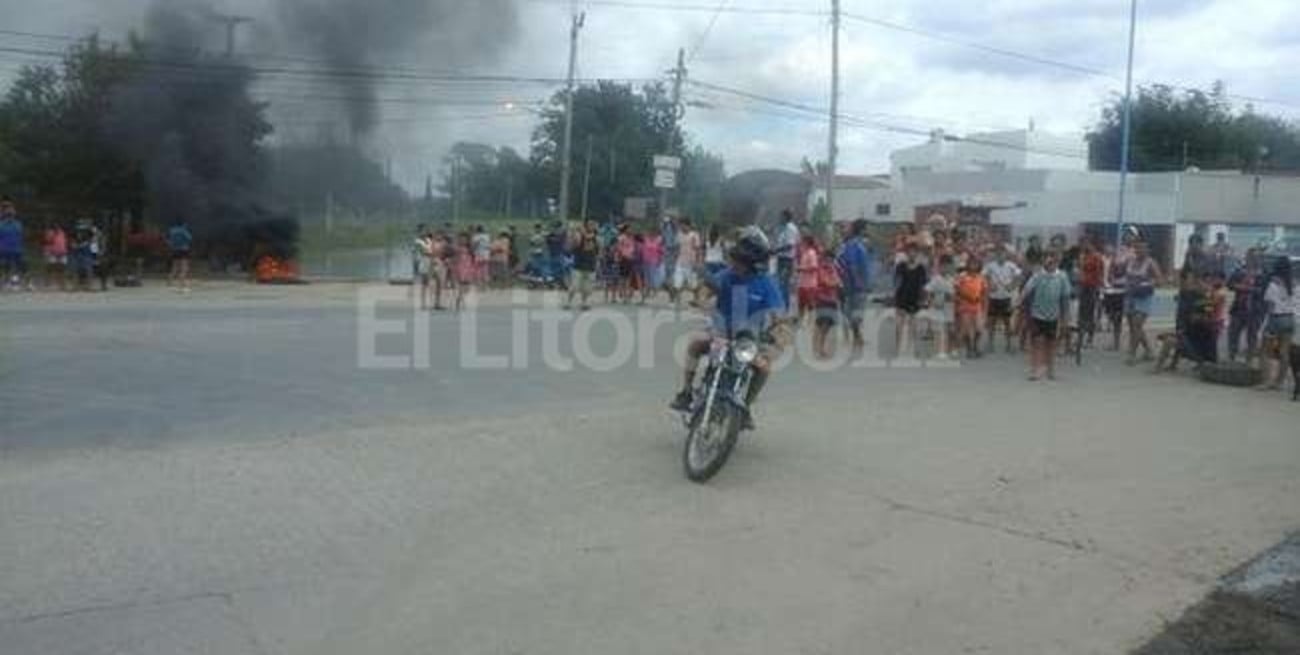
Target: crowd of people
x,y
630,264
960,288
72,256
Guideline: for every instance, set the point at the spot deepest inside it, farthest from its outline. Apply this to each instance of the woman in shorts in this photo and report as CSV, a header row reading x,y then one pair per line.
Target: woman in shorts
x,y
1141,274
910,278
1280,300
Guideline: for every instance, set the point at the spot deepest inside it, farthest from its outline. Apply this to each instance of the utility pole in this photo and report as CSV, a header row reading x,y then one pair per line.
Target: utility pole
x,y
586,180
833,152
510,196
455,189
566,169
231,23
1127,136
679,77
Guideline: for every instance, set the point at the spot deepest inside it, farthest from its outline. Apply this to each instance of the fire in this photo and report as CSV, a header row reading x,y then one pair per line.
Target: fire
x,y
273,270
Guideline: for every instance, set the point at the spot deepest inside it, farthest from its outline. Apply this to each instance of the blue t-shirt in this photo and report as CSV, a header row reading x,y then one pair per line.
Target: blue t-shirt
x,y
745,302
179,238
11,236
855,263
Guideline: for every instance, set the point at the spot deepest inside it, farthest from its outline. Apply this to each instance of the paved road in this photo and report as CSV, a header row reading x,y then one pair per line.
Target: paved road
x,y
214,474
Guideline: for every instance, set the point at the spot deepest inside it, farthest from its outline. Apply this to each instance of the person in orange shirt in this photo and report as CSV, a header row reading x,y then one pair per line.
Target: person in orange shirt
x,y
1092,277
972,294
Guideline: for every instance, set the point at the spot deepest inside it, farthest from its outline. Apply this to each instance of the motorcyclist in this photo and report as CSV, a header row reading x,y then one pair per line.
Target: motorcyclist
x,y
748,300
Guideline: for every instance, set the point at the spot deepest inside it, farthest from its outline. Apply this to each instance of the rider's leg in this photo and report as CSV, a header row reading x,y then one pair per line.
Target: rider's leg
x,y
697,349
762,371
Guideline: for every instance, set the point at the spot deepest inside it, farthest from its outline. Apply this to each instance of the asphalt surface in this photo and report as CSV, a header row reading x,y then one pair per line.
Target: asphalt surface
x,y
215,473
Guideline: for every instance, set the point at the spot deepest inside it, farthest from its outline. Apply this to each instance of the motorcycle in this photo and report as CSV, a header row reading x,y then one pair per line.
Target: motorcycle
x,y
718,410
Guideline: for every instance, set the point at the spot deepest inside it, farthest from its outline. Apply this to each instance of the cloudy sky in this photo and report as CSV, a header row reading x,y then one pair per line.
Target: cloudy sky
x,y
892,78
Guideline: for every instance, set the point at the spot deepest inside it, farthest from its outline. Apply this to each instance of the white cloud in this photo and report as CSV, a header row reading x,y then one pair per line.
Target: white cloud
x,y
891,78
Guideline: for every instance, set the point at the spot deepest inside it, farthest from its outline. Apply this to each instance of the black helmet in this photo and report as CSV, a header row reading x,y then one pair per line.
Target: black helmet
x,y
752,248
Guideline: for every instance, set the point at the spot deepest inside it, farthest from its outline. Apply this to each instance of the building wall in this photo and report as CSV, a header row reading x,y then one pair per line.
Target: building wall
x,y
993,152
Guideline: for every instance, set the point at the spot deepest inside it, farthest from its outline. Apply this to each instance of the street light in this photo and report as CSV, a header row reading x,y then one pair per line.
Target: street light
x,y
1127,130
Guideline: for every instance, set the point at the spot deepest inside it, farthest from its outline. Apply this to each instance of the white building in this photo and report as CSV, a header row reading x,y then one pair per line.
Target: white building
x,y
1034,183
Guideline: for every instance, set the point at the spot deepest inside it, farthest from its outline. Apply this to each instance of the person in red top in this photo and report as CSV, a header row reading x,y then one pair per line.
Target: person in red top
x,y
54,244
1092,277
808,269
826,306
972,293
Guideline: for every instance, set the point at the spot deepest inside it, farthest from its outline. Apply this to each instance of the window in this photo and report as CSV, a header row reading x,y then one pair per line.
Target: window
x,y
882,209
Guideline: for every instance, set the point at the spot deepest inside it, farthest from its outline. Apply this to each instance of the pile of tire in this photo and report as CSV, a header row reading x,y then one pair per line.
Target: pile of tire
x,y
1233,374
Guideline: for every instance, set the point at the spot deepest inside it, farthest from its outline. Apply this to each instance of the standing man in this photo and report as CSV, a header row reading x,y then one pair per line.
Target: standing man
x,y
1221,254
512,235
1002,275
586,254
416,255
1243,315
481,245
180,240
672,250
11,247
1197,261
690,257
787,242
855,262
1047,304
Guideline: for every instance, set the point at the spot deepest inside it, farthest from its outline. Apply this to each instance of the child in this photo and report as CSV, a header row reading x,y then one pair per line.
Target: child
x,y
1046,306
939,295
972,301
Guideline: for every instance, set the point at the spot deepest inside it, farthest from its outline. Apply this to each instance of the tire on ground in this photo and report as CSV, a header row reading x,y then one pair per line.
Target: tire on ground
x,y
1233,374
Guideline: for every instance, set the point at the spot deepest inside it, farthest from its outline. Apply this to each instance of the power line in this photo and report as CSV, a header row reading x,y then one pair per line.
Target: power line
x,y
821,114
937,36
669,6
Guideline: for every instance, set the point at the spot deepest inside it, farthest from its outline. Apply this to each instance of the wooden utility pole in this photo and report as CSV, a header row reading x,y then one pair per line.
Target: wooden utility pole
x,y
455,189
510,196
586,179
832,155
231,23
679,77
566,163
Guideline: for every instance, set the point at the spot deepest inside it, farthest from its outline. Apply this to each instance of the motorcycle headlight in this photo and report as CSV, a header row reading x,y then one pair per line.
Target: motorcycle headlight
x,y
746,352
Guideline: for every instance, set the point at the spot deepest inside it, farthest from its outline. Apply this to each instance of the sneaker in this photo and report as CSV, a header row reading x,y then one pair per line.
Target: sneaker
x,y
682,402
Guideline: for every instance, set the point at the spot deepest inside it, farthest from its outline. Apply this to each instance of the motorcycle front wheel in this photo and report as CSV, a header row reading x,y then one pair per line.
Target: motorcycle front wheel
x,y
710,442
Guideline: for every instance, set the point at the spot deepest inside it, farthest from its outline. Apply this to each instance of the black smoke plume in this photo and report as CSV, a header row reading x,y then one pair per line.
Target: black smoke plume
x,y
360,36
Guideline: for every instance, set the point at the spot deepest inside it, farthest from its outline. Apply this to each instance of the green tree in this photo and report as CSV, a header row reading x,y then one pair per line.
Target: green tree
x,y
626,128
488,179
702,176
55,149
1173,129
